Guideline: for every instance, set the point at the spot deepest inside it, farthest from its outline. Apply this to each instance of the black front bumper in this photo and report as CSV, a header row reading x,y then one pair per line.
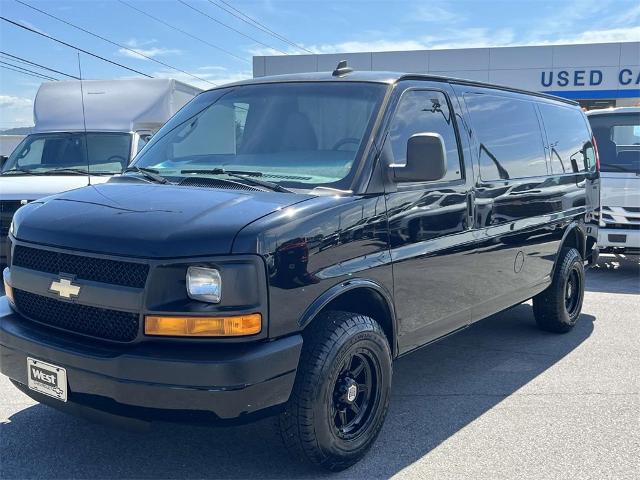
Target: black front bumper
x,y
147,380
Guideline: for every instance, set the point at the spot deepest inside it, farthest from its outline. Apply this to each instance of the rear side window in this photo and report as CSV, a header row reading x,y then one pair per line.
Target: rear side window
x,y
509,137
618,138
568,138
422,111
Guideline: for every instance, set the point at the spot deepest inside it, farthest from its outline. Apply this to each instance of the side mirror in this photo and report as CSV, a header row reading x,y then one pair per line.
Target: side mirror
x,y
3,159
426,159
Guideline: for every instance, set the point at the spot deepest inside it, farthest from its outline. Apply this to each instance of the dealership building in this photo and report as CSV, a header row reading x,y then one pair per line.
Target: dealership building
x,y
596,75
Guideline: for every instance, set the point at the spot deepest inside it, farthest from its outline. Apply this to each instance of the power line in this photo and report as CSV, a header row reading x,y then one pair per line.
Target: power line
x,y
73,46
229,27
28,62
256,24
37,75
183,31
48,77
136,52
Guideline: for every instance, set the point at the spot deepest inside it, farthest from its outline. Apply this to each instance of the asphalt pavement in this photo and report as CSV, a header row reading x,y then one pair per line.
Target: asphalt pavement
x,y
500,400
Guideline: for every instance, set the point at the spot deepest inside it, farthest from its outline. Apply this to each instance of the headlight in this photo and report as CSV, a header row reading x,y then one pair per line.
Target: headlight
x,y
204,284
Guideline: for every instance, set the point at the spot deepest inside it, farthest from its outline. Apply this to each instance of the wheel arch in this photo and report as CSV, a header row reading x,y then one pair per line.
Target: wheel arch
x,y
573,237
359,295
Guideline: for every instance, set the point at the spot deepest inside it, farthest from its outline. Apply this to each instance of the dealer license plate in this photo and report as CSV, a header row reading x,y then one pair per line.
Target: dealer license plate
x,y
47,379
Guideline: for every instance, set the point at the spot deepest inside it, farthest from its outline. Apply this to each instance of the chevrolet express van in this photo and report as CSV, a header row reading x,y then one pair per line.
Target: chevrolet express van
x,y
283,240
617,133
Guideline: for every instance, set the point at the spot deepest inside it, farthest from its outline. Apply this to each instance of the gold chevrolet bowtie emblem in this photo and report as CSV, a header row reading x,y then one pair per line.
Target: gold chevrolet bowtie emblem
x,y
64,288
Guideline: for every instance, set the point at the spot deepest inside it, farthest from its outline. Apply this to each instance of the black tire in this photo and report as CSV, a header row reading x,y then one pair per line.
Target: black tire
x,y
557,308
319,423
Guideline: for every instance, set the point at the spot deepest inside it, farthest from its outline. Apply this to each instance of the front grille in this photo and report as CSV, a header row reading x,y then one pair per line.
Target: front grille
x,y
115,272
7,209
97,322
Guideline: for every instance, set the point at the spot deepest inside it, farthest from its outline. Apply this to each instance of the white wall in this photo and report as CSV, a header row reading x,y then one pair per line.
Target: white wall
x,y
599,68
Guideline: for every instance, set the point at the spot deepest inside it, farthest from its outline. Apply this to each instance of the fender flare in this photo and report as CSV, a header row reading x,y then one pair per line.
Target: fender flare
x,y
571,229
339,289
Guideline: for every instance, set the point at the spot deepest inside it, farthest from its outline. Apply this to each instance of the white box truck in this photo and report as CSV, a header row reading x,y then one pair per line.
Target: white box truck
x,y
84,134
617,131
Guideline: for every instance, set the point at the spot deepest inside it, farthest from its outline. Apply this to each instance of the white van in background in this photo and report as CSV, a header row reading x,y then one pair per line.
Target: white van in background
x,y
76,143
617,132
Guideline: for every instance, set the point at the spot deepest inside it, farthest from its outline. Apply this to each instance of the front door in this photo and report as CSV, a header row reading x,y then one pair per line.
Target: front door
x,y
429,225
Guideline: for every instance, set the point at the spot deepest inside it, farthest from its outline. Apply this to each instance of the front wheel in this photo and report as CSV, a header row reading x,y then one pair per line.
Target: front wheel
x,y
557,308
341,393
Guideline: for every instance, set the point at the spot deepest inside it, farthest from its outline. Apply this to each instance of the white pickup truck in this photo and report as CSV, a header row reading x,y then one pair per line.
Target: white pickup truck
x,y
83,135
617,132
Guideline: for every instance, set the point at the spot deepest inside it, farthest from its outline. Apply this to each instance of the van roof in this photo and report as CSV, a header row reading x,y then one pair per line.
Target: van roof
x,y
386,78
609,111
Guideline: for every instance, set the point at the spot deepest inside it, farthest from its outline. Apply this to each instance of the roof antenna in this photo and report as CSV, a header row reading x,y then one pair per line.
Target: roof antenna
x,y
84,121
342,69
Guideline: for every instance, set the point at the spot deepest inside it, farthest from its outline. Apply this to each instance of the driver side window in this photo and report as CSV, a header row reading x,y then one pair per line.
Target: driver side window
x,y
421,111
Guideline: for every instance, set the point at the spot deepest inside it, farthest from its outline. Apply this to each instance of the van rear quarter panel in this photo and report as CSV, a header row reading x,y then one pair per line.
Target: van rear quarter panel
x,y
519,222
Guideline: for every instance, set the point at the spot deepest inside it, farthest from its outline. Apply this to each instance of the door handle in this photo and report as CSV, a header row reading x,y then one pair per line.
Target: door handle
x,y
471,200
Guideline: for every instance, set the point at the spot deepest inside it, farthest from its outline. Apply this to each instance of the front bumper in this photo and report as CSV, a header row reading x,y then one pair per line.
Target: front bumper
x,y
148,381
618,239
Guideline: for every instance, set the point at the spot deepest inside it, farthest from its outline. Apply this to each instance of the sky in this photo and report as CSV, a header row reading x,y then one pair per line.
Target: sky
x,y
225,44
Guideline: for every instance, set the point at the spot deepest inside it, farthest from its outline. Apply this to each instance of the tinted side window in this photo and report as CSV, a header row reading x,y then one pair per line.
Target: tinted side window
x,y
421,111
567,134
509,136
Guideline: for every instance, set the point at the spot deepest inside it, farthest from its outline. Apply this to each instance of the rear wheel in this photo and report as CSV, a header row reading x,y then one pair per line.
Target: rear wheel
x,y
341,394
557,308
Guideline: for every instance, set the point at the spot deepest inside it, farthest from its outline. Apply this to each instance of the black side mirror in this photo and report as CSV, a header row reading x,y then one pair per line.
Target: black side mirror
x,y
426,159
3,159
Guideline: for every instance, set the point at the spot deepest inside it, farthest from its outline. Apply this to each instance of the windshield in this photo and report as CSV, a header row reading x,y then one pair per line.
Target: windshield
x,y
48,152
618,137
295,134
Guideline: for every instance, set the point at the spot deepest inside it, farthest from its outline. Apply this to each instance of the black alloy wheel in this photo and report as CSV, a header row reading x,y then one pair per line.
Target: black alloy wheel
x,y
573,292
355,394
341,393
558,308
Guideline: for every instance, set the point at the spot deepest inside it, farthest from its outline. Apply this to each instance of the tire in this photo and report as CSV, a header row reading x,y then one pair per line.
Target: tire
x,y
557,308
319,423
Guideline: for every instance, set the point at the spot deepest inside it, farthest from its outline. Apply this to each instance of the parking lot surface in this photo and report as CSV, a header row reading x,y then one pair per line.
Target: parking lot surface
x,y
498,400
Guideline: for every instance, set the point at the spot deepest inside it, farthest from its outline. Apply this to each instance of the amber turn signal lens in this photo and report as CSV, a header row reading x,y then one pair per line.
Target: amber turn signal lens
x,y
8,291
234,326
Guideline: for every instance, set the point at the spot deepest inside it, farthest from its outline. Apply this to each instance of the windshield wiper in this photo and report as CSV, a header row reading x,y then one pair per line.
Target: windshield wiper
x,y
148,173
56,171
23,171
241,174
76,171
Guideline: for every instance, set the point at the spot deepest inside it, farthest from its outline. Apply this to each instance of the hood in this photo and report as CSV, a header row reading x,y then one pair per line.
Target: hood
x,y
32,187
147,220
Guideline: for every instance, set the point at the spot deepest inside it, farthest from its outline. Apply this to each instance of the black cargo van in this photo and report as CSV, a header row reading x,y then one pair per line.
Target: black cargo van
x,y
280,241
